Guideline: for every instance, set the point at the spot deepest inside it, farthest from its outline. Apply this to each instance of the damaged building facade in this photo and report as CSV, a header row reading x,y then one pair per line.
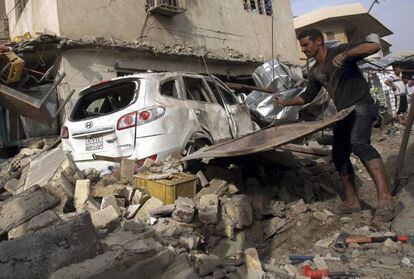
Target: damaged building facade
x,y
104,39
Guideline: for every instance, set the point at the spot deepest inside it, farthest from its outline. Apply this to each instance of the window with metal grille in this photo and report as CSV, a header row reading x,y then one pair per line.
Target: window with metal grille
x,y
164,7
263,7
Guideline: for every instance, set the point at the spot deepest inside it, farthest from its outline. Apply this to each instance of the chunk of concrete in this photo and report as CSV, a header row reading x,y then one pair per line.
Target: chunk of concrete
x,y
239,210
62,188
206,264
127,169
162,211
140,196
68,166
180,269
22,207
253,264
110,201
298,207
39,254
12,186
110,190
272,226
17,231
43,168
119,264
106,218
208,207
202,178
82,190
43,220
143,212
131,211
184,209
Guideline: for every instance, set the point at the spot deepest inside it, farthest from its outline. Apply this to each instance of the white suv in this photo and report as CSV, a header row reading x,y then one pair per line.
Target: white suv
x,y
152,115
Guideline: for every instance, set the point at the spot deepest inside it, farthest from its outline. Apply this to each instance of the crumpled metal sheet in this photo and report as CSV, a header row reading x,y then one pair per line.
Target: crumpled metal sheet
x,y
266,139
402,58
262,107
276,76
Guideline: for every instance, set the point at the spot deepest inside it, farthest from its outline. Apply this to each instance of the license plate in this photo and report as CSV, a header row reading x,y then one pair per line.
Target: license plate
x,y
93,143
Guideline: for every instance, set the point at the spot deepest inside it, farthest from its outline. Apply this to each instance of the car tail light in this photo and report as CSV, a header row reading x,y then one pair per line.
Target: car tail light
x,y
64,132
150,114
127,121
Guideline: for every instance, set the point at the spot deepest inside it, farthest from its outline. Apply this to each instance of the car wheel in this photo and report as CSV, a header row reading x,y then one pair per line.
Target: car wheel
x,y
194,166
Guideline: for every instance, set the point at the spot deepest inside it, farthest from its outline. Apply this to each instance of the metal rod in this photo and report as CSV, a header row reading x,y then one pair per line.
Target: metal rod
x,y
52,89
403,149
64,103
238,86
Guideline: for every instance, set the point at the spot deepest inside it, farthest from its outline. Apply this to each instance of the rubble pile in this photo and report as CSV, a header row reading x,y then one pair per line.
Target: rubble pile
x,y
247,219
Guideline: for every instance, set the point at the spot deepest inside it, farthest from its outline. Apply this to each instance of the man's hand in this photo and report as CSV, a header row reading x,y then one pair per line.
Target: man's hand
x,y
278,101
339,60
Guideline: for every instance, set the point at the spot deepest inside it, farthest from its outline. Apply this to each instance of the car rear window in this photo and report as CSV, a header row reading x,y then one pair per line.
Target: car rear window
x,y
104,100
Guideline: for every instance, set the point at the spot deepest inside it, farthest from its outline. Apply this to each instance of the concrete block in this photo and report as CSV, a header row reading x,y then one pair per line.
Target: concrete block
x,y
184,209
202,178
62,188
37,255
110,201
206,264
106,218
298,207
143,212
43,220
22,207
17,231
43,168
127,169
12,186
208,209
82,190
162,211
118,264
239,210
253,264
180,269
131,211
140,196
111,190
68,167
272,226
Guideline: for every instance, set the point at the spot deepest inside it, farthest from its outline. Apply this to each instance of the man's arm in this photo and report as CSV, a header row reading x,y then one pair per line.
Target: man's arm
x,y
312,90
359,52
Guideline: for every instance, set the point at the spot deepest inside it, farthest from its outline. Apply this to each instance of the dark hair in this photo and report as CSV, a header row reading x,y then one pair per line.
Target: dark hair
x,y
313,34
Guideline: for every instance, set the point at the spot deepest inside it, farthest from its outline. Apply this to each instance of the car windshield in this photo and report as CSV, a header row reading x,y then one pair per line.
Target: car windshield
x,y
105,100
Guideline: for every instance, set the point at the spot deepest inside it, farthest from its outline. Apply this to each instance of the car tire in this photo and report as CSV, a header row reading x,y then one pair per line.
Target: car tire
x,y
194,166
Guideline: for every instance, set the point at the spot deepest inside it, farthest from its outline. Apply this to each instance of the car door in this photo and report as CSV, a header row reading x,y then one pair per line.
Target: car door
x,y
211,116
240,114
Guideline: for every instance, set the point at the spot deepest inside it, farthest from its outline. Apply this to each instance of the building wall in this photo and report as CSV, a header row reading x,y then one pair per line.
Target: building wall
x,y
214,24
36,16
4,28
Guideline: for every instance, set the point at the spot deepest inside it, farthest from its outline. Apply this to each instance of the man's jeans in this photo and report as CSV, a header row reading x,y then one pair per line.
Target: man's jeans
x,y
353,134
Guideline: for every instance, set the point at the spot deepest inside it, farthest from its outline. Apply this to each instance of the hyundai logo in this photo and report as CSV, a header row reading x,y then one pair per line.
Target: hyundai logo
x,y
88,124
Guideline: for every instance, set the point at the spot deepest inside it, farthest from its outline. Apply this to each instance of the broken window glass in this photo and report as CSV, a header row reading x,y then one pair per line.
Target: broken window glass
x,y
169,89
106,100
229,97
195,89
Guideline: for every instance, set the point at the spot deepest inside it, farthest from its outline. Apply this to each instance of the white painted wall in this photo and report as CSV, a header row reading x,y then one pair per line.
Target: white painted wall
x,y
37,15
214,24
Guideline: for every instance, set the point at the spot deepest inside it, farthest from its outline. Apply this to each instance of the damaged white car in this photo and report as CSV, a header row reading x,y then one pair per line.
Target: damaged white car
x,y
152,115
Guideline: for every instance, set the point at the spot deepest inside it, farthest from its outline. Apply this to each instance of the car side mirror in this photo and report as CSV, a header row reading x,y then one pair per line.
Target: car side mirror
x,y
242,98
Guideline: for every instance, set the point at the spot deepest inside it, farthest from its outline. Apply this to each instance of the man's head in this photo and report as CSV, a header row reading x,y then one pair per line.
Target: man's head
x,y
311,41
397,70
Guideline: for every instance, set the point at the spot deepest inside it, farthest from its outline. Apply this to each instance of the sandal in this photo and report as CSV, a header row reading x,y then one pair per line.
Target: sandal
x,y
388,213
